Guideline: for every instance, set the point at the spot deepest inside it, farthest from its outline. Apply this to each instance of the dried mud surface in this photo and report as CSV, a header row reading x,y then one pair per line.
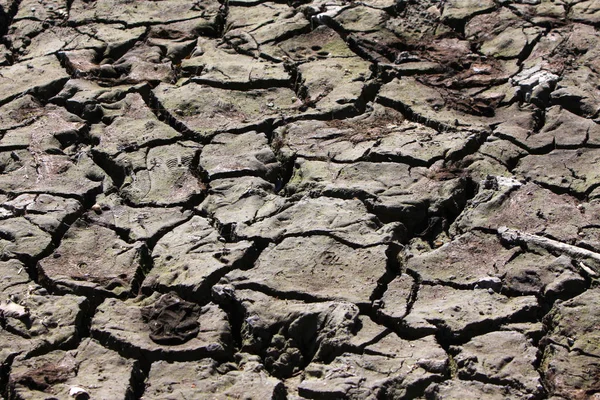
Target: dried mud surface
x,y
378,199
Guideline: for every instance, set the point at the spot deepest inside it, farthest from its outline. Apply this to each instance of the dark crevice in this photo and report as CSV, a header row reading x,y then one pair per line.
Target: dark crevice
x,y
5,369
137,381
242,86
285,295
414,293
235,314
146,265
397,158
116,172
163,115
392,270
412,116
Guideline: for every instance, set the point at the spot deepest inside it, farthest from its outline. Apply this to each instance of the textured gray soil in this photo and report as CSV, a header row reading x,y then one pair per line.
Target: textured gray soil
x,y
244,199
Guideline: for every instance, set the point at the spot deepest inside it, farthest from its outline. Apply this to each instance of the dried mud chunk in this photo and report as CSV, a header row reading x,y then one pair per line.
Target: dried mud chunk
x,y
188,29
469,260
315,267
347,220
91,259
241,200
546,54
543,274
174,50
191,257
5,55
416,144
50,10
380,135
333,85
117,37
356,179
15,279
321,42
21,111
361,19
460,313
562,129
568,374
402,366
22,239
267,22
97,372
231,155
570,362
208,110
460,10
133,14
456,389
134,126
574,171
20,32
169,176
120,324
205,380
171,320
339,140
41,76
27,172
586,11
417,23
224,67
394,303
321,140
50,320
58,39
531,208
425,105
253,17
396,192
47,212
573,323
510,43
82,96
143,63
506,357
544,13
288,333
367,332
568,129
53,131
577,91
140,223
34,323
381,46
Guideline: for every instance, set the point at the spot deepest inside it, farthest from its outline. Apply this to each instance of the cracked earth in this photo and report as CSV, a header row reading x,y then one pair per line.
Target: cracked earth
x,y
377,199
